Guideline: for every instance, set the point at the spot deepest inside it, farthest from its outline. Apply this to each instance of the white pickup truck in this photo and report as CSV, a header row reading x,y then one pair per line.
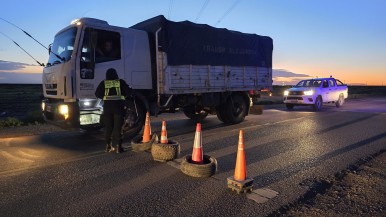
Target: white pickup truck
x,y
315,92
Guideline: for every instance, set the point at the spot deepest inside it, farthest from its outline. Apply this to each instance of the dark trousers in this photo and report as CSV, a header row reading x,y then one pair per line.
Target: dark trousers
x,y
113,127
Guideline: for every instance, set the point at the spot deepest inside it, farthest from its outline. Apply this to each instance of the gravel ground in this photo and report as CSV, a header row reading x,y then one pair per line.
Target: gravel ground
x,y
360,190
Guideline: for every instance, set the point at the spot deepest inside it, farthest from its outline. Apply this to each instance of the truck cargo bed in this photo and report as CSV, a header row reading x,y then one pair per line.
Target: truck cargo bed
x,y
183,79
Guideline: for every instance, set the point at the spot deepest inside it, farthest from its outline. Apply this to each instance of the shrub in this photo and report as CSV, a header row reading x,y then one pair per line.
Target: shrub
x,y
34,117
10,122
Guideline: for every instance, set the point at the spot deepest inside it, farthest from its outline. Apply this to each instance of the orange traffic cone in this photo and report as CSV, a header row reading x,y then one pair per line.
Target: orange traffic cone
x,y
197,155
240,182
164,134
147,130
240,169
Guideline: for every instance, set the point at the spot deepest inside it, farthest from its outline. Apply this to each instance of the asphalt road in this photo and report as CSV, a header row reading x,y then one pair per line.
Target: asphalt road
x,y
68,174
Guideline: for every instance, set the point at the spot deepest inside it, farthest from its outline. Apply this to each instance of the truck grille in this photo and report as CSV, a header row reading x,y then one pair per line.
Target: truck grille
x,y
51,86
296,93
291,98
52,92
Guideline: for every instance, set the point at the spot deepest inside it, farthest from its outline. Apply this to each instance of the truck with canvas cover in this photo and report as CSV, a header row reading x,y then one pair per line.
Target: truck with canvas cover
x,y
170,65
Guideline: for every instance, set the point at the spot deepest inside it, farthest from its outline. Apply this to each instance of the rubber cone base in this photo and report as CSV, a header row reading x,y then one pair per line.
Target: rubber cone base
x,y
240,186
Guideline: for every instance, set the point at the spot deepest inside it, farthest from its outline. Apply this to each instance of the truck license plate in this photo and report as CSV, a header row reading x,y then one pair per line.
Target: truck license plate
x,y
48,108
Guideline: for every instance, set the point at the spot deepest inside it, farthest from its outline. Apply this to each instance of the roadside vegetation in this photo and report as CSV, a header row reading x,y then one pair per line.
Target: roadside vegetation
x,y
20,105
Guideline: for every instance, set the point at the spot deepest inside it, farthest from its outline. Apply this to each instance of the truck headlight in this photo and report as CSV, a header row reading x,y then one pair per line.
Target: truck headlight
x,y
63,110
43,106
286,93
309,92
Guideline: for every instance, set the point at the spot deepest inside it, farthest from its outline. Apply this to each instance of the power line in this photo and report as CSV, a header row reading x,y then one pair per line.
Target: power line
x,y
202,9
227,12
41,64
24,32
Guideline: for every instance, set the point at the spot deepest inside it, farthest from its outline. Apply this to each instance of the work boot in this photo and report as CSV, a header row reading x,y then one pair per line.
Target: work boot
x,y
109,148
119,148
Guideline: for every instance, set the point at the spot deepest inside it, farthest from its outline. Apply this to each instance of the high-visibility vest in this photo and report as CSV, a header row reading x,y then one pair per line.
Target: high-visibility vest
x,y
109,84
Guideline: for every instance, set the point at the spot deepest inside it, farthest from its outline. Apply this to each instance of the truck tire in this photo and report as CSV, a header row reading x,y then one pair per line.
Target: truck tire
x,y
221,114
289,106
318,104
340,101
236,109
195,115
134,119
207,169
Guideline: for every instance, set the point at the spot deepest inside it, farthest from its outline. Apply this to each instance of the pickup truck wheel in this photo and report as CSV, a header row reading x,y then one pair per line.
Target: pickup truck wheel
x,y
318,104
340,101
289,106
134,118
193,114
236,109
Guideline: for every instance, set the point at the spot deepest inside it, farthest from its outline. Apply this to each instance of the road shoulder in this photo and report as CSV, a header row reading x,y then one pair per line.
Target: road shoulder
x,y
360,190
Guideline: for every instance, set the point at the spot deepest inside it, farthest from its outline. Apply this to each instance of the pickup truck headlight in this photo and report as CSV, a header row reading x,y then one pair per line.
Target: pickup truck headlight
x,y
309,92
286,93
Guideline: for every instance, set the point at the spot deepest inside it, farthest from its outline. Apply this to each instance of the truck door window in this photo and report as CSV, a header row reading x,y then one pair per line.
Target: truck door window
x,y
331,83
325,84
86,57
108,46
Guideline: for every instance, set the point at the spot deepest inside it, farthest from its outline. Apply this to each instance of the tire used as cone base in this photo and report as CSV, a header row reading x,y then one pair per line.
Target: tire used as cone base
x,y
137,145
207,169
165,152
240,186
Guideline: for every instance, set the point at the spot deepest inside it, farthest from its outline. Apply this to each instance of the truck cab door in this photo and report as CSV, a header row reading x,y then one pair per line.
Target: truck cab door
x,y
101,50
325,90
334,93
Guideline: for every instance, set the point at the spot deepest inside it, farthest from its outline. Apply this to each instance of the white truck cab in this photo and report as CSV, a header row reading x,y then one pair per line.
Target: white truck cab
x,y
315,92
75,68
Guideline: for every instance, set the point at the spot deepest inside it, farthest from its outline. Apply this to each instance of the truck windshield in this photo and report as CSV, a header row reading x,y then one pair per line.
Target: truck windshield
x,y
309,83
63,46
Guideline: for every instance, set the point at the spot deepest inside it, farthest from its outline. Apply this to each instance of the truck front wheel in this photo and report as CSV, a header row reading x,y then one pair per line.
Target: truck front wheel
x,y
236,109
134,118
318,104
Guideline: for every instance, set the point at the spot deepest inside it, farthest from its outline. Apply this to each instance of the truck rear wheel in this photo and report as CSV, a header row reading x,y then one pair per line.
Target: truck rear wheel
x,y
134,118
195,114
221,114
340,101
236,109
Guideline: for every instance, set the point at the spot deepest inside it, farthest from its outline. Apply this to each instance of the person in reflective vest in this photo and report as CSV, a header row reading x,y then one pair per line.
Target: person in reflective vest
x,y
113,91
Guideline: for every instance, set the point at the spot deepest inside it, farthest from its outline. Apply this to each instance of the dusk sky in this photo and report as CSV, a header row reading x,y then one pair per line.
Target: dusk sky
x,y
312,38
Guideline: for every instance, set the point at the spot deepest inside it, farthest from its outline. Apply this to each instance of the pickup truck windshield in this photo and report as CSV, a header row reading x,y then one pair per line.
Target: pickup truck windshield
x,y
309,83
63,46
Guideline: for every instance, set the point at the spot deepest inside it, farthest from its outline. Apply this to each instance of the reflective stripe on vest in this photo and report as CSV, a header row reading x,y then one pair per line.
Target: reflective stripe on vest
x,y
113,84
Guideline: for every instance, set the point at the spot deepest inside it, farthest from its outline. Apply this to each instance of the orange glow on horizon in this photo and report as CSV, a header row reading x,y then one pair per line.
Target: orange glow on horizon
x,y
350,76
